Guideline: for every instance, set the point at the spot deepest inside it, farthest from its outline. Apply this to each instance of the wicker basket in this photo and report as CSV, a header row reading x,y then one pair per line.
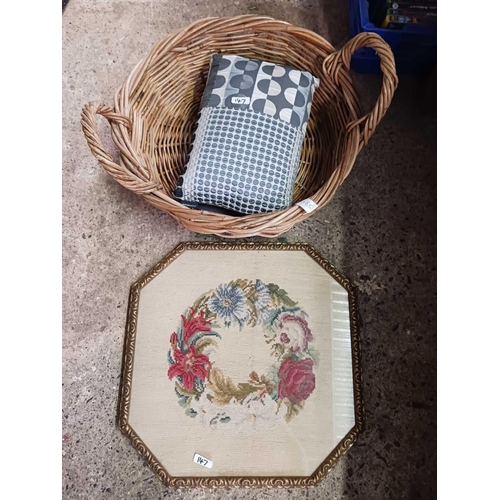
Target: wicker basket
x,y
155,111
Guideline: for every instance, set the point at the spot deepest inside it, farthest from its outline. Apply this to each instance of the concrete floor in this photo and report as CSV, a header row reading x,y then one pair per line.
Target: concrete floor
x,y
379,230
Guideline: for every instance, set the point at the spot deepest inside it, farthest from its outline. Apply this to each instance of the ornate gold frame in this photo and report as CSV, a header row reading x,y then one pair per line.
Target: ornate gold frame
x,y
246,481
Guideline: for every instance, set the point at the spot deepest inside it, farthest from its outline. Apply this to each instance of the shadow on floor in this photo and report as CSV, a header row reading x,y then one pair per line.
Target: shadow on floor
x,y
388,206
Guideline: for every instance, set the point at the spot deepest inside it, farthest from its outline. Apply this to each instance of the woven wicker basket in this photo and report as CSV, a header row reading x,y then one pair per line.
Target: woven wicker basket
x,y
155,111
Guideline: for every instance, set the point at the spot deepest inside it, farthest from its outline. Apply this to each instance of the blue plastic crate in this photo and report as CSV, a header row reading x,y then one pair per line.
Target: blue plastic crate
x,y
414,47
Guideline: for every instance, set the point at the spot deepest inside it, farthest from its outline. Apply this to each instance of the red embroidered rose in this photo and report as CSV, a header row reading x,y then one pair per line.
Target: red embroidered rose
x,y
294,332
194,324
188,366
297,380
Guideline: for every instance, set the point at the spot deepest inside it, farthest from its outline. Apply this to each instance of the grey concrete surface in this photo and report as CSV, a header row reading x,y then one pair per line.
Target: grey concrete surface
x,y
379,230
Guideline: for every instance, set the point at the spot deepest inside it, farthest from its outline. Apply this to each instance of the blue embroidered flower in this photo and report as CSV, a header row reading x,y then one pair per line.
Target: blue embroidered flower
x,y
229,303
263,295
262,302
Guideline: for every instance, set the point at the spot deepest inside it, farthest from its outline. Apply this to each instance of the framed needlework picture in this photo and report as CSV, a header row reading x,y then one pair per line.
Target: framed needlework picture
x,y
241,366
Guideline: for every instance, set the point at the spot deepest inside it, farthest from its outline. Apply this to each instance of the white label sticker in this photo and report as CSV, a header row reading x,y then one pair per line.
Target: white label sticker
x,y
198,459
308,205
240,100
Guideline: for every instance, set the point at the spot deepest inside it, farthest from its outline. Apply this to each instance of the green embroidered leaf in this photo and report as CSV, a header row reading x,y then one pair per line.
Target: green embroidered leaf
x,y
280,296
191,413
245,389
292,355
211,316
272,374
199,387
204,342
197,336
169,355
240,282
299,355
252,319
183,402
225,420
278,405
184,392
264,383
313,352
252,294
201,303
241,322
278,349
224,390
293,409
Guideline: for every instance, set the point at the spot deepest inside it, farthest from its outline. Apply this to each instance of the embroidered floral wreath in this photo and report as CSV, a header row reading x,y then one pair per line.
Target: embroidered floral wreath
x,y
263,399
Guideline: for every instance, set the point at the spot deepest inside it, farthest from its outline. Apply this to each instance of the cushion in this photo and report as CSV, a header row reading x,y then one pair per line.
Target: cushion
x,y
251,126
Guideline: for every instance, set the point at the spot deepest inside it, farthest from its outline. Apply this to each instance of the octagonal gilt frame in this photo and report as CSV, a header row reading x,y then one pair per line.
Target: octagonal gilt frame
x,y
236,481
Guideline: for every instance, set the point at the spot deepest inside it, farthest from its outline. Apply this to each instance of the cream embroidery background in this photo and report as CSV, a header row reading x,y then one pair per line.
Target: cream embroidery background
x,y
295,448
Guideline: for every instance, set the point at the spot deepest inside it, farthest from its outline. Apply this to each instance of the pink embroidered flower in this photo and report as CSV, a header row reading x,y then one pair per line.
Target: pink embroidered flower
x,y
194,324
297,380
188,366
294,332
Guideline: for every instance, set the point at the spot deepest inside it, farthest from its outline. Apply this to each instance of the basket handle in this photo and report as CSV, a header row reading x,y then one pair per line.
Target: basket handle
x,y
130,173
334,63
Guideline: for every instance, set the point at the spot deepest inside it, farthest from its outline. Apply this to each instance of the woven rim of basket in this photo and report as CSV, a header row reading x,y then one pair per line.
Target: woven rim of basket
x,y
139,172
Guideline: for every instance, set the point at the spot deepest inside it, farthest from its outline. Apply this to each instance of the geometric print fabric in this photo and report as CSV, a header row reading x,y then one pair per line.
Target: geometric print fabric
x,y
275,90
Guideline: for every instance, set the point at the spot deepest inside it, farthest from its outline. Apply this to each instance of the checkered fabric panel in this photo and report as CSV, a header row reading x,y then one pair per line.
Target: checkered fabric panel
x,y
242,161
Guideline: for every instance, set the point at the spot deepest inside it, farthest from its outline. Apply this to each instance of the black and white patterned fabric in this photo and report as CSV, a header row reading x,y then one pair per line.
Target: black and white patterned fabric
x,y
251,127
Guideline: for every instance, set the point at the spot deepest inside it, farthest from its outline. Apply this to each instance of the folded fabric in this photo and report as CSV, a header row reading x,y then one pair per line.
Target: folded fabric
x,y
249,136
